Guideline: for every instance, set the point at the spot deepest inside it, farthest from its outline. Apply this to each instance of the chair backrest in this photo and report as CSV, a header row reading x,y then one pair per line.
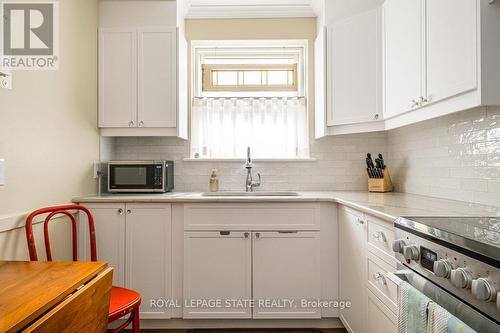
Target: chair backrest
x,y
69,211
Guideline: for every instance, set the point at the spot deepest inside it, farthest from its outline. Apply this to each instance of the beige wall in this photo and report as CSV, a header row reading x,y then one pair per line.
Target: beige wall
x,y
248,29
48,133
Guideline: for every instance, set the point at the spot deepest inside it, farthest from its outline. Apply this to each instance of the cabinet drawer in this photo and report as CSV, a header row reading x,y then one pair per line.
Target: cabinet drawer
x,y
380,238
379,284
252,216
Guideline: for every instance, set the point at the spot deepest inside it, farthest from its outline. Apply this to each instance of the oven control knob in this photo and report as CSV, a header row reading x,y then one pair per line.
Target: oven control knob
x,y
484,290
442,268
397,245
461,278
410,252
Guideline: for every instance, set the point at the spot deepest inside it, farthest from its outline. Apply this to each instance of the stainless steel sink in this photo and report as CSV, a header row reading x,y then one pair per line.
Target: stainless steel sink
x,y
251,194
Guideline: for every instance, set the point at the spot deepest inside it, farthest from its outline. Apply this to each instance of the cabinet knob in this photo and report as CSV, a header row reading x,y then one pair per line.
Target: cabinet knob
x,y
414,103
376,116
130,123
141,123
246,234
360,221
129,211
257,235
120,211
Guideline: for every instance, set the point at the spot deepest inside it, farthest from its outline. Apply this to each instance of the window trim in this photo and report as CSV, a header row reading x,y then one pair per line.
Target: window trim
x,y
221,49
208,69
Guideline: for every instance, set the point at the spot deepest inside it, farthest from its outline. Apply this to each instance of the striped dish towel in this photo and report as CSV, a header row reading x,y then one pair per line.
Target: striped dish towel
x,y
455,325
412,309
437,319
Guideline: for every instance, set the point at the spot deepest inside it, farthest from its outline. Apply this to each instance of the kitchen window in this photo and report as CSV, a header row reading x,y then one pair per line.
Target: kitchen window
x,y
249,94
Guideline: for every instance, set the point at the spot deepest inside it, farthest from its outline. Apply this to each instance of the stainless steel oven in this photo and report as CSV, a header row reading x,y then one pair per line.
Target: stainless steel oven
x,y
456,263
140,176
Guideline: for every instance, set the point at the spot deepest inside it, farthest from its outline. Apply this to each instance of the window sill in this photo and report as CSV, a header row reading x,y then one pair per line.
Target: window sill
x,y
242,160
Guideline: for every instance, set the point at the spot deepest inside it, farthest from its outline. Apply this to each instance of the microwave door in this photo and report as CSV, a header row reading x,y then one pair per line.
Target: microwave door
x,y
131,178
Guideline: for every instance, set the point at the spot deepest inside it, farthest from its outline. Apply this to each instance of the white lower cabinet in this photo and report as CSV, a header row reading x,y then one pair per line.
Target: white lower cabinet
x,y
217,266
109,224
275,270
135,240
286,267
365,261
352,277
379,318
148,256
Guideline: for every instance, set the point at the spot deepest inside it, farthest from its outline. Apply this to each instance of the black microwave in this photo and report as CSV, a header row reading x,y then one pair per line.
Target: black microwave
x,y
140,176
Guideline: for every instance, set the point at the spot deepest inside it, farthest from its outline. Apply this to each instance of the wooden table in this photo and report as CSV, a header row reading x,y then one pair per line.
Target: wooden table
x,y
38,296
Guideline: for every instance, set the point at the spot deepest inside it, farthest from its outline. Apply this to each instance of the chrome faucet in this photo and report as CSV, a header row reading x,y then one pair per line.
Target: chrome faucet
x,y
250,183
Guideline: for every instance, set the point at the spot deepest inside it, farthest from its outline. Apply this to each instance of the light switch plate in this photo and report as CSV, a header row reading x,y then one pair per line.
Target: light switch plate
x,y
2,171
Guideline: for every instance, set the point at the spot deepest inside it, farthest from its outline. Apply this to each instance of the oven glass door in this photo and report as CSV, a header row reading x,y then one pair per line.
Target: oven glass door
x,y
459,308
135,177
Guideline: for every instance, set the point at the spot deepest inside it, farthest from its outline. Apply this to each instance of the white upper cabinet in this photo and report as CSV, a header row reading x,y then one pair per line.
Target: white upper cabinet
x,y
354,62
403,61
157,77
137,77
439,58
451,32
117,77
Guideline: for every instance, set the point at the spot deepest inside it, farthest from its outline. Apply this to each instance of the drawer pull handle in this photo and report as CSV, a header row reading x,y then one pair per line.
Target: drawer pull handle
x,y
225,233
288,232
379,237
380,277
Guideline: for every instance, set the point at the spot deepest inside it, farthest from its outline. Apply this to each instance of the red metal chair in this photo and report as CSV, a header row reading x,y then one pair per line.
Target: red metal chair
x,y
123,301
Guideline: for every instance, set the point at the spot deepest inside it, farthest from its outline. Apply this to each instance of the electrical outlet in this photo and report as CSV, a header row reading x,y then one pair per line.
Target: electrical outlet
x,y
6,81
97,169
2,172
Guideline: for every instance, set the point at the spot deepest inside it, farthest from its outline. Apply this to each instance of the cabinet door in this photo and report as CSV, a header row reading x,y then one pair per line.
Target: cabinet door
x,y
355,69
286,266
451,47
379,318
117,77
109,223
217,271
352,269
403,55
157,77
148,268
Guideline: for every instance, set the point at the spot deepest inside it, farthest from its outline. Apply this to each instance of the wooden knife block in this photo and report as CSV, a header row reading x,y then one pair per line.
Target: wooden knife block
x,y
381,185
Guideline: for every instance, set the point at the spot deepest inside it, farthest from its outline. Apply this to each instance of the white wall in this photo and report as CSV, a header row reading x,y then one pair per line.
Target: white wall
x,y
146,13
48,133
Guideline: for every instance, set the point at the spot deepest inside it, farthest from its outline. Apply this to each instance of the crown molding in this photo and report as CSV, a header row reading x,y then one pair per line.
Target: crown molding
x,y
275,10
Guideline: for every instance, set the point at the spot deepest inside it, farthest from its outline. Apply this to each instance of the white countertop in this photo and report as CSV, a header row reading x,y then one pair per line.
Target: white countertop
x,y
387,206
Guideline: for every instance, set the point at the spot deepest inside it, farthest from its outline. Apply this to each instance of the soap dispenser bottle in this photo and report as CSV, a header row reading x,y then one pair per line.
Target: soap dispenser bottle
x,y
214,181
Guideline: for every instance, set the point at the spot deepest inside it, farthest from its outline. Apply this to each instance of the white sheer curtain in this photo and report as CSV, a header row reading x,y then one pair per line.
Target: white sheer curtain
x,y
273,128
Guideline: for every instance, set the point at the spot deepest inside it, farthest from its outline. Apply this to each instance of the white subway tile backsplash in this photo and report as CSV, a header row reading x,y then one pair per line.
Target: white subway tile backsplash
x,y
338,165
454,157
